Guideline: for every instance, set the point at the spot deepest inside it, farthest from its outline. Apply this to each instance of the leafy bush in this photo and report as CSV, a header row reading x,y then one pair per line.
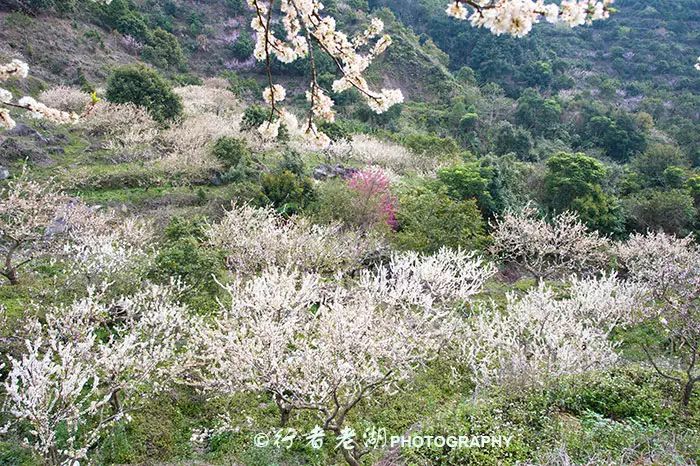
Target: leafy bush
x,y
144,87
468,181
596,418
183,255
288,192
164,50
231,151
121,15
575,182
253,117
235,155
673,211
244,46
429,219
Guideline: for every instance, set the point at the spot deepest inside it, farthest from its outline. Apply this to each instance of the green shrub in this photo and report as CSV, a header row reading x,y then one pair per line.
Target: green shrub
x,y
242,86
335,201
244,46
431,145
594,418
231,151
121,15
468,181
183,255
335,131
164,50
428,219
235,155
288,192
143,86
254,116
673,211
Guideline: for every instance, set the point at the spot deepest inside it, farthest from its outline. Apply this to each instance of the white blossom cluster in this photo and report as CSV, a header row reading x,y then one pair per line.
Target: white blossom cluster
x,y
70,381
253,238
38,219
539,337
670,268
325,345
19,69
306,27
517,17
547,249
109,248
27,209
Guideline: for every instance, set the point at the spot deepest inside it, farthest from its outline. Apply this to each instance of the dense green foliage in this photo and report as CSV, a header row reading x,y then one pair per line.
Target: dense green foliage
x,y
146,88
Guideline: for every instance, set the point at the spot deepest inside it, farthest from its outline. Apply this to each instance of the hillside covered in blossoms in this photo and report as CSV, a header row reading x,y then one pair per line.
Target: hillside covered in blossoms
x,y
349,232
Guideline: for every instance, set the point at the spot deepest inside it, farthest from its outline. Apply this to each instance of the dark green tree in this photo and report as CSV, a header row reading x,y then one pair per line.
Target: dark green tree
x,y
429,219
164,50
469,181
143,86
539,115
574,182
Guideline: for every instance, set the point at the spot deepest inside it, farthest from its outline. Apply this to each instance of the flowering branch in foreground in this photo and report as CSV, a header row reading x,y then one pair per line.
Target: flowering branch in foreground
x,y
306,29
516,17
20,70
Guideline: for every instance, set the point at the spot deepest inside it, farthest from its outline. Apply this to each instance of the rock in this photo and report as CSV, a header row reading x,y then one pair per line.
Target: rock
x,y
326,171
17,150
4,173
27,131
216,180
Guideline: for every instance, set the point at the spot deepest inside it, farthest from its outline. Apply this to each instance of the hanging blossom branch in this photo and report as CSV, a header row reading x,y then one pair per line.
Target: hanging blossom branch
x,y
516,17
20,70
305,26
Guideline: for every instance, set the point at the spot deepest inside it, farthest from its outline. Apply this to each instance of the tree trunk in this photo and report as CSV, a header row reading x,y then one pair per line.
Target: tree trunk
x,y
11,275
350,457
284,416
688,391
116,402
11,272
285,411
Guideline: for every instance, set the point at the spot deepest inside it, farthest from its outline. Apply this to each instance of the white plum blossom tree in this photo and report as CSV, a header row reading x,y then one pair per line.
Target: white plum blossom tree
x,y
71,377
325,346
538,337
107,247
670,268
253,238
37,218
33,216
548,249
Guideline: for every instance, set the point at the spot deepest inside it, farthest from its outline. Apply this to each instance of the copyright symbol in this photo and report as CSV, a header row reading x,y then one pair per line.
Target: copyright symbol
x,y
261,440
